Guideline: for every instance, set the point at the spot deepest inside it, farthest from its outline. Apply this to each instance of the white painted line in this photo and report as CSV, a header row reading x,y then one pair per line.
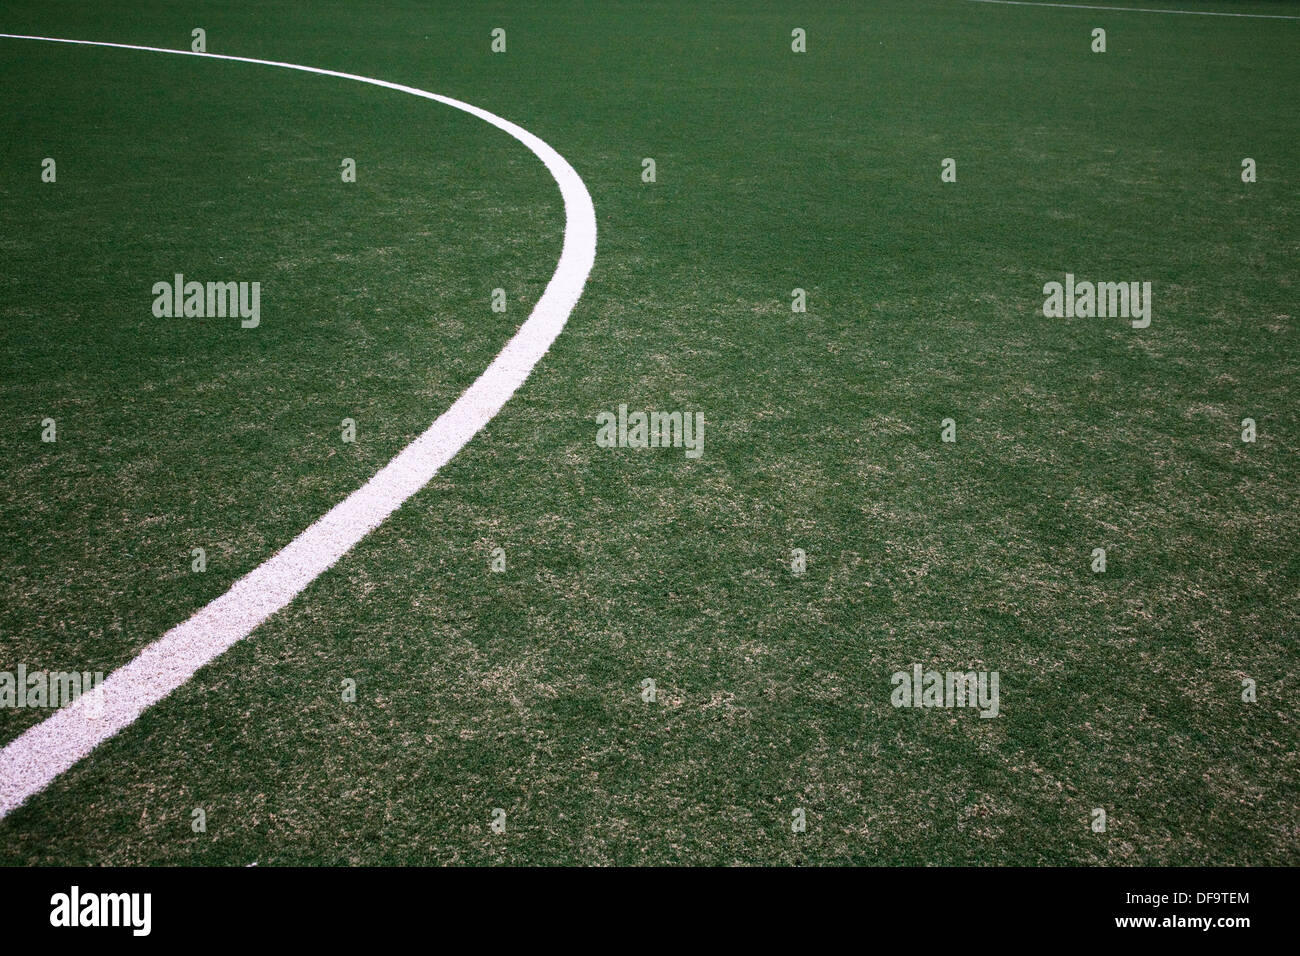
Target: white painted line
x,y
31,761
1189,13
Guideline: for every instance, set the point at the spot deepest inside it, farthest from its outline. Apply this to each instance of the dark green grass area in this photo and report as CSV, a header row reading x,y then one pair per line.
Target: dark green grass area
x,y
521,690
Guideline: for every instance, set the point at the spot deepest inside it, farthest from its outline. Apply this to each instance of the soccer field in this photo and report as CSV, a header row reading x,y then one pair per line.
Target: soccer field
x,y
928,561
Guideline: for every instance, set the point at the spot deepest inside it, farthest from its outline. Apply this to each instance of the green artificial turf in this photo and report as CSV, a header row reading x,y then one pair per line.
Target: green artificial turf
x,y
522,690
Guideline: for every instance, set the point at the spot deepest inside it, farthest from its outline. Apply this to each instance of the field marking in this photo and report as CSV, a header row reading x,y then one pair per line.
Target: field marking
x,y
31,761
1188,13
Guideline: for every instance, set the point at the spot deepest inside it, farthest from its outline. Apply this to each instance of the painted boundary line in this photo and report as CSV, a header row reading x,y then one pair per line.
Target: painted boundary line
x,y
1188,13
31,761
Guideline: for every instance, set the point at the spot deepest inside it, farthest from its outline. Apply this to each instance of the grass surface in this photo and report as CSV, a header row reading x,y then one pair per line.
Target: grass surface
x,y
522,690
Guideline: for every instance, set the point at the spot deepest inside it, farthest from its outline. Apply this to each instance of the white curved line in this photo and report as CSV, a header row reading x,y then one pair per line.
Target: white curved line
x,y
1186,13
31,761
